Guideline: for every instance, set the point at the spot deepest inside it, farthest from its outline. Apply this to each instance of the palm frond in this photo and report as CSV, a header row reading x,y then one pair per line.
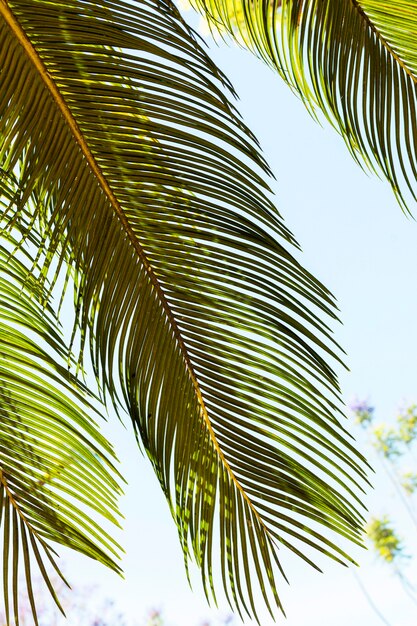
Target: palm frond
x,y
56,470
356,60
138,170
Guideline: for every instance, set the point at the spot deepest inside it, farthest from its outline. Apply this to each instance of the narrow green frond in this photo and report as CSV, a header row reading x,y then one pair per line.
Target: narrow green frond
x,y
137,170
356,60
55,467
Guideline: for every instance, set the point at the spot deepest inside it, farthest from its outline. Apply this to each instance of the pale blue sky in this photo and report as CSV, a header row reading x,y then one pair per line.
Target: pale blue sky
x,y
357,241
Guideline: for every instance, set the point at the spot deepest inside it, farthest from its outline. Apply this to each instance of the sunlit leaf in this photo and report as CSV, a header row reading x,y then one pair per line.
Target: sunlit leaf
x,y
56,470
356,60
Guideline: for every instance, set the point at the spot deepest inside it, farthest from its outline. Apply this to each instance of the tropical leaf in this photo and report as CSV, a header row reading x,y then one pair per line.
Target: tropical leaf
x,y
356,60
138,174
56,470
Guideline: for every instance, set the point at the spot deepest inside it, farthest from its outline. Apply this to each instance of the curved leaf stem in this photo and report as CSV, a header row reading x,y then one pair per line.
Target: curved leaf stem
x,y
383,41
14,503
16,507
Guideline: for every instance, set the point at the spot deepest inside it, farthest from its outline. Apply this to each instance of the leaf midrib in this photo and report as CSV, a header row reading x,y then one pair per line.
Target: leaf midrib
x,y
15,504
52,88
390,49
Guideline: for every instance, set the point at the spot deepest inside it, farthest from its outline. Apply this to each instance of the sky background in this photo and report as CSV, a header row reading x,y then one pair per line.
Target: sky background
x,y
358,242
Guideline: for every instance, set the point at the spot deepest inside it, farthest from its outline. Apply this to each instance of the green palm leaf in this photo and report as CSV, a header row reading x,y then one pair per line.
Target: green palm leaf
x,y
137,172
55,468
354,59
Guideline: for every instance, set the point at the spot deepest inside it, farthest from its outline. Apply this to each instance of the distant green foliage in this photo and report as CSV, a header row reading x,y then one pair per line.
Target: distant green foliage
x,y
407,425
394,446
386,441
364,413
385,540
409,482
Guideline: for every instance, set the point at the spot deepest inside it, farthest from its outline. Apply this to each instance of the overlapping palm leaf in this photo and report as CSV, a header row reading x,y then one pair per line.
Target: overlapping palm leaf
x,y
144,179
354,59
56,470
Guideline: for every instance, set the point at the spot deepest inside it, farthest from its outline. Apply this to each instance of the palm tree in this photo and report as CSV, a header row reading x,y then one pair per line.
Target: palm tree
x,y
128,178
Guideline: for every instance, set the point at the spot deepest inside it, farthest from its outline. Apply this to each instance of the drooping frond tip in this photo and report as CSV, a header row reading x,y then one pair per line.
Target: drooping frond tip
x,y
356,60
56,470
